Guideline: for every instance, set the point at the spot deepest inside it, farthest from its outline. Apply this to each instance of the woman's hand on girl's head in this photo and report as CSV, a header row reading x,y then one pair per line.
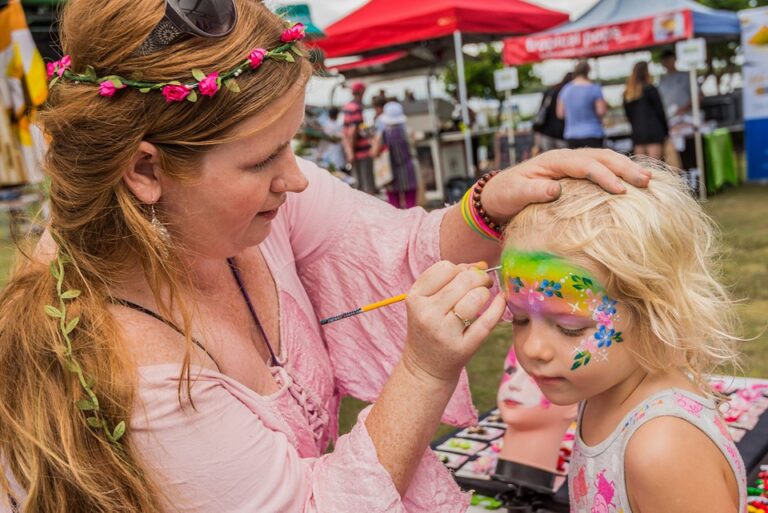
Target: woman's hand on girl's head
x,y
439,344
534,181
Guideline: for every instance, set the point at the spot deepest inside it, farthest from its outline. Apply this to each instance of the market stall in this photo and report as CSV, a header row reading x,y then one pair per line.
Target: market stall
x,y
387,26
619,26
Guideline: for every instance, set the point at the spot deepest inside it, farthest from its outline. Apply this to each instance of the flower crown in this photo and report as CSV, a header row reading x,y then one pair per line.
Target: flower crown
x,y
175,91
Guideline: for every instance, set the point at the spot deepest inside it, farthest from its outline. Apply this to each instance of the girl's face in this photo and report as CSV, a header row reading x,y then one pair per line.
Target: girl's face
x,y
569,334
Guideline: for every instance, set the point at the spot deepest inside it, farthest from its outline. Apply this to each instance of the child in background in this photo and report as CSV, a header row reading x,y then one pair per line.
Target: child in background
x,y
615,305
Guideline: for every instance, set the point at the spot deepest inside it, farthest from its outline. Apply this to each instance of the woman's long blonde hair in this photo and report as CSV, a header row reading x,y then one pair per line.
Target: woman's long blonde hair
x,y
64,465
658,250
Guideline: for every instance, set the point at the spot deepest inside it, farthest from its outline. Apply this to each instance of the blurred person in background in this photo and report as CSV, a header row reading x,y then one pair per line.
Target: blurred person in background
x,y
645,112
357,141
402,191
332,150
549,128
582,106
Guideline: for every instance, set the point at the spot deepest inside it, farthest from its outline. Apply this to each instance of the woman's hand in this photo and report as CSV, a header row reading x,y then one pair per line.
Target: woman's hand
x,y
534,181
438,343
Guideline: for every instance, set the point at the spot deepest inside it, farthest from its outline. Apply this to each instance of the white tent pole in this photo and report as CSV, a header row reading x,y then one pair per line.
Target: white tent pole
x,y
697,133
462,79
434,142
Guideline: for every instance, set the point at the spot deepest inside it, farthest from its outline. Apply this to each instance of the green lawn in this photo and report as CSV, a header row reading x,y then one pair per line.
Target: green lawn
x,y
742,214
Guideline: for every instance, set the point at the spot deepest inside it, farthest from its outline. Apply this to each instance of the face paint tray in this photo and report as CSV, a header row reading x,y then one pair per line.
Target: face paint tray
x,y
482,433
462,446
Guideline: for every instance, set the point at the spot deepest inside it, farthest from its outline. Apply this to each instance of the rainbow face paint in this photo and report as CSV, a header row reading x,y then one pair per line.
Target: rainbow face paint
x,y
544,284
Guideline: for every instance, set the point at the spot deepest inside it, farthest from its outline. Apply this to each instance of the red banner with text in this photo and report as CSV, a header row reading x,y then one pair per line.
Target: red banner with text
x,y
602,40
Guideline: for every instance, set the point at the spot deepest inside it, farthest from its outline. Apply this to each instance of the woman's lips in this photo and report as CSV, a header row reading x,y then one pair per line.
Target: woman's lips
x,y
510,403
268,214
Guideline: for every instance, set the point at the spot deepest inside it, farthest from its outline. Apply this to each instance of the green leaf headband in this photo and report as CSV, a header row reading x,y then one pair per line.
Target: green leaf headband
x,y
175,91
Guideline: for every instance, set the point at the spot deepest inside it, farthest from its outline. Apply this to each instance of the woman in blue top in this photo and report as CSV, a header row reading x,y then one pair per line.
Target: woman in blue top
x,y
582,106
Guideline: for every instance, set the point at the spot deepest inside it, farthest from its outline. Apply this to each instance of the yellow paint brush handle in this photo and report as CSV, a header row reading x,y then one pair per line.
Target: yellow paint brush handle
x,y
384,302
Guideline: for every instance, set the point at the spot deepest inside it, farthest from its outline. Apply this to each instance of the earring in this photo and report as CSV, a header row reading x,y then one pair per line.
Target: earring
x,y
159,227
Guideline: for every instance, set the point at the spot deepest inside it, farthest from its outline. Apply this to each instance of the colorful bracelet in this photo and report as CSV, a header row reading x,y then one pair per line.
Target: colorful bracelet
x,y
474,214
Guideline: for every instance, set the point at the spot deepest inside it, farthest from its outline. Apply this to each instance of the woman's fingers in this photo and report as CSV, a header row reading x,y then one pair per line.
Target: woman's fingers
x,y
623,167
603,167
469,306
482,326
521,191
449,296
436,277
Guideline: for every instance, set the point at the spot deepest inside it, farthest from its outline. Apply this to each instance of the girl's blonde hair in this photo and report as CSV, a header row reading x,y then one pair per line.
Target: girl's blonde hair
x,y
658,250
64,465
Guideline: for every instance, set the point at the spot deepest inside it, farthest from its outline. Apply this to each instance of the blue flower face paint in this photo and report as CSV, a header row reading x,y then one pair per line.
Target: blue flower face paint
x,y
544,284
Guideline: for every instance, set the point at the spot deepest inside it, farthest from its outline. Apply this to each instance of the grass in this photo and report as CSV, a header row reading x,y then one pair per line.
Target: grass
x,y
741,213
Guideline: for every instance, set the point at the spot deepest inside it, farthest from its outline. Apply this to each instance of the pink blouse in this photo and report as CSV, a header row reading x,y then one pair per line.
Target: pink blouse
x,y
331,249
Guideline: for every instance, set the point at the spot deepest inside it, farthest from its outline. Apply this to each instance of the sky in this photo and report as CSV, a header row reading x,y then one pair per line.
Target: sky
x,y
322,91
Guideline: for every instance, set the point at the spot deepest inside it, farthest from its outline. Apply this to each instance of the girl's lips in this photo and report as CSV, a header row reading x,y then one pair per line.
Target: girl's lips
x,y
545,380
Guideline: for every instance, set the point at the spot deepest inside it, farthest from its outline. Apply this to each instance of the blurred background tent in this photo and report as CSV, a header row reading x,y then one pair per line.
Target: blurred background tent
x,y
23,88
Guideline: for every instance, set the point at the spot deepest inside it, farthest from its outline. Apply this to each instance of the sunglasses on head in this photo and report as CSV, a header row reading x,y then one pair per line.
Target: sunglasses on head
x,y
202,18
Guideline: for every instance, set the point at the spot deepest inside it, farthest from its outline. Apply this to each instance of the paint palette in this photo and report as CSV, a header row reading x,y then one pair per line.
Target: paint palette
x,y
481,467
462,446
480,432
451,460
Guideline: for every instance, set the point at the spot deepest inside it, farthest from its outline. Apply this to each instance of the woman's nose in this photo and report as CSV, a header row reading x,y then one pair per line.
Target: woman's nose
x,y
291,179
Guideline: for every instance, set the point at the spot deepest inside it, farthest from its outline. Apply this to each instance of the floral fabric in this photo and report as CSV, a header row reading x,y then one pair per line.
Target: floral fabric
x,y
596,475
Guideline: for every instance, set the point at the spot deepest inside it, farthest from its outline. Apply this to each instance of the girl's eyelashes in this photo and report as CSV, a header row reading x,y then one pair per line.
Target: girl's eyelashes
x,y
571,332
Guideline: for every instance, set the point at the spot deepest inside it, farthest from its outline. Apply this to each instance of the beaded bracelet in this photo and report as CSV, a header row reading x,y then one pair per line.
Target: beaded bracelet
x,y
474,214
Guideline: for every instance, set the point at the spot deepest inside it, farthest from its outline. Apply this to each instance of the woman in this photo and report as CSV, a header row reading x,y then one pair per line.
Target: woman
x,y
548,128
645,112
582,106
170,357
393,137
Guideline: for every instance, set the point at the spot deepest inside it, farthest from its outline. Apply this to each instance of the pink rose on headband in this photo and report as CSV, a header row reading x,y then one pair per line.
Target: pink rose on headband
x,y
59,66
175,93
107,88
209,85
256,57
293,34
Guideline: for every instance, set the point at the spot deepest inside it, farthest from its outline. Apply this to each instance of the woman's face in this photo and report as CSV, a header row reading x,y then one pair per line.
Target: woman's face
x,y
241,185
569,334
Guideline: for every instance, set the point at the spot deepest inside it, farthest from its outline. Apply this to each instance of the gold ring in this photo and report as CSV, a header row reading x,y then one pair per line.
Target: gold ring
x,y
466,322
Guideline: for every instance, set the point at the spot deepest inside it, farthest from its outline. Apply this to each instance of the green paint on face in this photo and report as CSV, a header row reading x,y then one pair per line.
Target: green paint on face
x,y
542,283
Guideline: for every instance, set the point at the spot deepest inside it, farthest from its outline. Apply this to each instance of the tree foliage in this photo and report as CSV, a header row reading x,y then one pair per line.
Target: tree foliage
x,y
479,74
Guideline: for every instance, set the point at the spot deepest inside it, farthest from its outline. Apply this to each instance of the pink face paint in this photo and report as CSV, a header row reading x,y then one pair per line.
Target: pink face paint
x,y
544,284
518,389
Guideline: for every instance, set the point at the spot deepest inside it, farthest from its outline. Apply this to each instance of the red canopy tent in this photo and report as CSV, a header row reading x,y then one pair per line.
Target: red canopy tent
x,y
384,26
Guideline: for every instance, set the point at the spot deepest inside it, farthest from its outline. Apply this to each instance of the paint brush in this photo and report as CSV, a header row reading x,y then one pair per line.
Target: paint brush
x,y
378,304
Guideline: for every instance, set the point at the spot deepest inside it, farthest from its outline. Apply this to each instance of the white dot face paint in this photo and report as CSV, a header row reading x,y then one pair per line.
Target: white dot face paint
x,y
545,285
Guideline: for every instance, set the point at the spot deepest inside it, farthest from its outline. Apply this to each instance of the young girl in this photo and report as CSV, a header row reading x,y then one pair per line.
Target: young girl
x,y
615,305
